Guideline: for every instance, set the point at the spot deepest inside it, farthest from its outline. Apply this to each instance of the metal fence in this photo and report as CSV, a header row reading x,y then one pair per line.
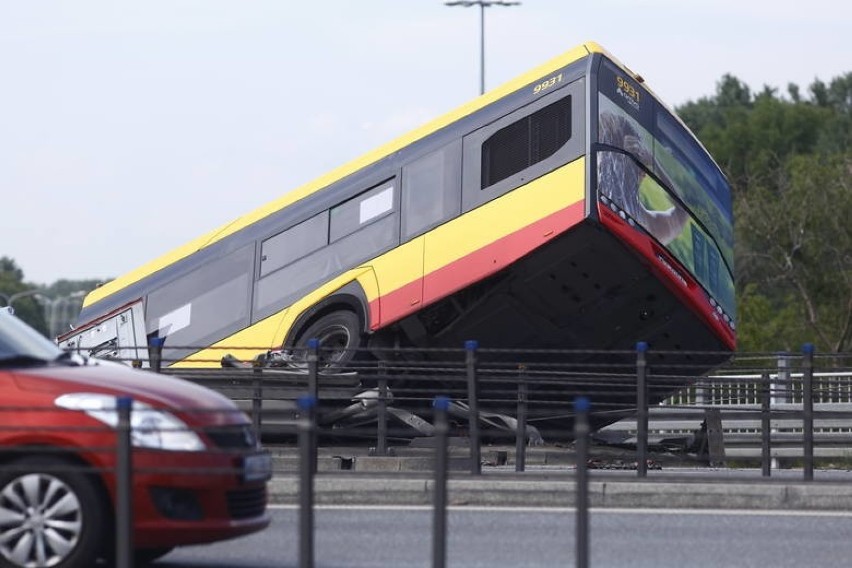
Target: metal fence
x,y
762,409
636,411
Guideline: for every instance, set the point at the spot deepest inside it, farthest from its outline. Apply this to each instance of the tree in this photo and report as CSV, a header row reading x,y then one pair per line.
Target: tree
x,y
789,163
795,248
26,307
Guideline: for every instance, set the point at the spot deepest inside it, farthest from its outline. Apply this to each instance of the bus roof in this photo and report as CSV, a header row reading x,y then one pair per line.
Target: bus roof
x,y
341,172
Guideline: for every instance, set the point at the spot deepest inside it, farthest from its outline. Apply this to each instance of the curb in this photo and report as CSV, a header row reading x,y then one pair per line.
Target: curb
x,y
785,496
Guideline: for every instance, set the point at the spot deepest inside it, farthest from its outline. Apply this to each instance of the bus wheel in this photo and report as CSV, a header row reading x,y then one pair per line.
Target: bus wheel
x,y
339,335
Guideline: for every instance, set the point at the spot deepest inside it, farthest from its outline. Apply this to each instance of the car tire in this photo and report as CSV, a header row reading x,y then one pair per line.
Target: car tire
x,y
59,514
339,335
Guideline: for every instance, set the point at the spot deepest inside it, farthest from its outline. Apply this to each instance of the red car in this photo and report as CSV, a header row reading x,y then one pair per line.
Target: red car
x,y
199,474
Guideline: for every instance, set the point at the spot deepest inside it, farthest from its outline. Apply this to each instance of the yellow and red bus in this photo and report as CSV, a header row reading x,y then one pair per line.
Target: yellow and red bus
x,y
568,208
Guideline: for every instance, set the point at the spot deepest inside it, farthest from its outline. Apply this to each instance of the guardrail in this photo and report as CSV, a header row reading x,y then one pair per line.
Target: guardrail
x,y
480,396
743,428
528,397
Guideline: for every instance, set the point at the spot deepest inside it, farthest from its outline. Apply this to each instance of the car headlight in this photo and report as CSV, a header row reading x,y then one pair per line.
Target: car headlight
x,y
150,427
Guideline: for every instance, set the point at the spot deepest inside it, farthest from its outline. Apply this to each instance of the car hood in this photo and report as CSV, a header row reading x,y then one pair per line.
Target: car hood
x,y
172,393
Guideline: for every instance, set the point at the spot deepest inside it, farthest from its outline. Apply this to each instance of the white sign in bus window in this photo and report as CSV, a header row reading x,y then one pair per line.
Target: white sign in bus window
x,y
374,206
175,320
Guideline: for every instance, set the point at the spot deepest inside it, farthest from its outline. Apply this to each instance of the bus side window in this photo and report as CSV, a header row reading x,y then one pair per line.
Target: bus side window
x,y
294,243
362,210
523,145
431,190
204,305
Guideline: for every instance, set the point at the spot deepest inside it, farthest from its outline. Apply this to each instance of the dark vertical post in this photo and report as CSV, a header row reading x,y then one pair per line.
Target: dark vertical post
x,y
257,396
765,425
382,412
521,437
307,464
641,410
155,353
313,368
439,519
473,405
313,393
124,485
581,437
808,410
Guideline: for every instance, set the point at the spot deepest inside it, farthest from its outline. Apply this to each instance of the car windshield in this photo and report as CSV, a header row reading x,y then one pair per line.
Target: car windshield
x,y
18,341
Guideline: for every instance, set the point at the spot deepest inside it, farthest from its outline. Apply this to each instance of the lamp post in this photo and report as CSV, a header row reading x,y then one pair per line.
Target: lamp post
x,y
483,4
56,311
10,299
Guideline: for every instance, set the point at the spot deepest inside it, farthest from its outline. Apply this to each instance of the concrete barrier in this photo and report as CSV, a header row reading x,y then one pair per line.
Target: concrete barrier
x,y
491,491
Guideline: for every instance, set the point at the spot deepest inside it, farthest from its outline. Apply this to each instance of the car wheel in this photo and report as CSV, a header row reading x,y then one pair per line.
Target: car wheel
x,y
49,515
339,336
144,556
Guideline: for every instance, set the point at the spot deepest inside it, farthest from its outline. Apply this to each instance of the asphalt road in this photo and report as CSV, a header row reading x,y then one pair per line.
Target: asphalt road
x,y
533,537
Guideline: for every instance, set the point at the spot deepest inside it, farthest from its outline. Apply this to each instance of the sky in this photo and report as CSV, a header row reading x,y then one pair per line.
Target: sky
x,y
128,128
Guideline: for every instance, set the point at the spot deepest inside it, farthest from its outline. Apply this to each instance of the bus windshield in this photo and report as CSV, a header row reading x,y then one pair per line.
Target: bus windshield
x,y
652,168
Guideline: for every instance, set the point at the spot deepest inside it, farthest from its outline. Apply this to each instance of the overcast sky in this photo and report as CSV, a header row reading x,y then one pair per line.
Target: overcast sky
x,y
129,128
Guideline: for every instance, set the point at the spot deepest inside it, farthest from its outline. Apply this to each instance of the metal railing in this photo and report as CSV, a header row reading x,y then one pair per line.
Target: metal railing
x,y
795,405
488,398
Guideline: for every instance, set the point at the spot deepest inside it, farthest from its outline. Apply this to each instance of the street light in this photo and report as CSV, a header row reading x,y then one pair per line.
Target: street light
x,y
483,4
56,311
10,299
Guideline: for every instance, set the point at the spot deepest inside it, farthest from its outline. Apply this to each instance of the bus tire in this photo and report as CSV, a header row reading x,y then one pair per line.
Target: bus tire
x,y
339,335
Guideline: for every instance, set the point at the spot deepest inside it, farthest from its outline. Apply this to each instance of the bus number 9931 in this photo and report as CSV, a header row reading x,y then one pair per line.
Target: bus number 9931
x,y
548,83
628,91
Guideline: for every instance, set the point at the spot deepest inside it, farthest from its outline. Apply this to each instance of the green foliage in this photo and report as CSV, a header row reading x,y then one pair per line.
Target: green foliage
x,y
789,161
770,323
22,295
43,307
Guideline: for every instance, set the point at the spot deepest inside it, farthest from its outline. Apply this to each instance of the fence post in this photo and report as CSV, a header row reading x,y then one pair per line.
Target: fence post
x,y
313,393
155,353
124,485
307,464
808,410
521,436
382,412
765,426
581,436
641,410
473,406
439,519
257,396
313,367
781,389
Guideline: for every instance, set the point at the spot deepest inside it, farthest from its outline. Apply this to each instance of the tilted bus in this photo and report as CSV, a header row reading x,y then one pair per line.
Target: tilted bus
x,y
568,208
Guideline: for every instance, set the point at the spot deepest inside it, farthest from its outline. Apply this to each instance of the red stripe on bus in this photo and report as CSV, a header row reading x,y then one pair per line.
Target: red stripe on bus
x,y
684,287
477,265
398,303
